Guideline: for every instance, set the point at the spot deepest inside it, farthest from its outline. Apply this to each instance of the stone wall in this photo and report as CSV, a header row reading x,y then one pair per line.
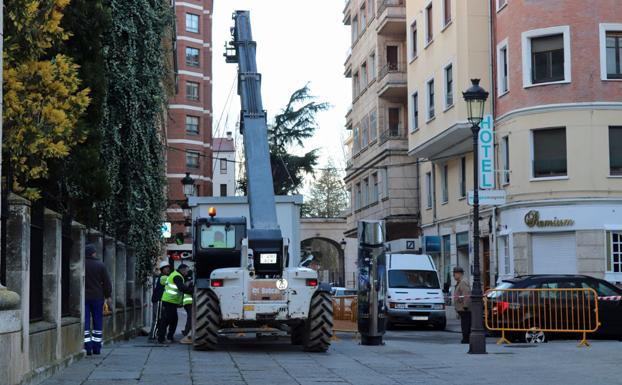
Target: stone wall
x,y
31,350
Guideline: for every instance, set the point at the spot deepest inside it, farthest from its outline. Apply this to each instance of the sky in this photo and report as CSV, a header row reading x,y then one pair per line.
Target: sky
x,y
297,42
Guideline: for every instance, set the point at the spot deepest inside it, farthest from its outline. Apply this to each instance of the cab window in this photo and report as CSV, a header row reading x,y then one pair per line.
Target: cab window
x,y
217,237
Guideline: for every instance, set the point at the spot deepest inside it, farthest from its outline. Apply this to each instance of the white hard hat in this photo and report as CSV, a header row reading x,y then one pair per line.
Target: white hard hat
x,y
163,264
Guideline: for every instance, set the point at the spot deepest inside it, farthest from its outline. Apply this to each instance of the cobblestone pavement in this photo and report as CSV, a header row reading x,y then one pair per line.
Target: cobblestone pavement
x,y
409,357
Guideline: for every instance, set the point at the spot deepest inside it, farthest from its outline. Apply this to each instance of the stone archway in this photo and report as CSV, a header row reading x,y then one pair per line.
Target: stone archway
x,y
329,256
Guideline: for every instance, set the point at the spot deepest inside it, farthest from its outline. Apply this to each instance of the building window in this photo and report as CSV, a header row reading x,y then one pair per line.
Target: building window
x,y
429,23
374,187
463,171
502,68
614,55
446,12
413,40
365,190
355,28
415,110
358,196
192,91
192,159
364,132
363,14
504,255
449,86
428,189
505,160
355,85
444,184
373,126
549,152
192,23
372,66
223,189
546,56
192,57
615,150
356,141
614,252
501,4
363,75
430,99
192,124
223,166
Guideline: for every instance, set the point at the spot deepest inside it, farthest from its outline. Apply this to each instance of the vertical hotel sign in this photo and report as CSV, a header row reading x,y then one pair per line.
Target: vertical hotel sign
x,y
486,154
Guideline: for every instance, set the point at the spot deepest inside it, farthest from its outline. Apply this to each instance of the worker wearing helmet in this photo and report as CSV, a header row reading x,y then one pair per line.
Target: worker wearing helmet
x,y
172,298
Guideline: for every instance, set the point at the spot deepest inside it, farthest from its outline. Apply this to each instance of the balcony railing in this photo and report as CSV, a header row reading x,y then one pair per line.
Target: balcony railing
x,y
393,132
395,67
383,4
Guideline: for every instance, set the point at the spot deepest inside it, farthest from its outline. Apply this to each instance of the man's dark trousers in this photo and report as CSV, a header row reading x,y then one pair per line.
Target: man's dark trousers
x,y
93,335
465,324
156,317
169,320
188,327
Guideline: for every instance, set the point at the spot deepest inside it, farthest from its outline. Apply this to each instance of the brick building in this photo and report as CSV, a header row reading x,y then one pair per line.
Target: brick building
x,y
189,132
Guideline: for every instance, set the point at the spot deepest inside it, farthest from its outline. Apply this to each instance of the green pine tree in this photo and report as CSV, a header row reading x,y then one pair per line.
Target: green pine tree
x,y
328,195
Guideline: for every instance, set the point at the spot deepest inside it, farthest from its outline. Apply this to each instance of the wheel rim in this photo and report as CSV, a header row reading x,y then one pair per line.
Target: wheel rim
x,y
535,337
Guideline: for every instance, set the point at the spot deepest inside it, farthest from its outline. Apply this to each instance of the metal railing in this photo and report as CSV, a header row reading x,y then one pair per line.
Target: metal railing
x,y
345,313
395,132
395,67
542,310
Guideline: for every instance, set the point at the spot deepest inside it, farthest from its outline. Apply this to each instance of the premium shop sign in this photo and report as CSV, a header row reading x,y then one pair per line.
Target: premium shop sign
x,y
486,154
532,219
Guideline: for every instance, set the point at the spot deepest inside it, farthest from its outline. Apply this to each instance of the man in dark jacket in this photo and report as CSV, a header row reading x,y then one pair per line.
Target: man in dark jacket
x,y
158,282
97,289
174,290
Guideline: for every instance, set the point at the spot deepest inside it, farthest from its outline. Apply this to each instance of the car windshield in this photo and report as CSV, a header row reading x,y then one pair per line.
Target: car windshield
x,y
413,279
217,237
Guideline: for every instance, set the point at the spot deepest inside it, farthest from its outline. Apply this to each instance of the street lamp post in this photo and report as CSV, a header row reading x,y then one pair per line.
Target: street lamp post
x,y
475,98
188,183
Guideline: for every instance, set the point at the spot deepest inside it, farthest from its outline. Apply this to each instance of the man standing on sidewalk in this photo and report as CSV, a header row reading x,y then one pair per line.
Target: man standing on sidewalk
x,y
172,298
97,289
462,302
158,282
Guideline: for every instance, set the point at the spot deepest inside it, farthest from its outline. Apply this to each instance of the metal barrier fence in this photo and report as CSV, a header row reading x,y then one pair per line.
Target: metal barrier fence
x,y
345,309
542,310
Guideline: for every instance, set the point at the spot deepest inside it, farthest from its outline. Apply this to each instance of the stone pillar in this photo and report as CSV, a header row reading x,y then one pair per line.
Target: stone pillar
x,y
52,258
121,284
76,298
110,251
18,270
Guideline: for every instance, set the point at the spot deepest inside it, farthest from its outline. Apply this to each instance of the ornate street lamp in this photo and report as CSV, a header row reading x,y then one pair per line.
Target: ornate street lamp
x,y
343,244
188,183
475,97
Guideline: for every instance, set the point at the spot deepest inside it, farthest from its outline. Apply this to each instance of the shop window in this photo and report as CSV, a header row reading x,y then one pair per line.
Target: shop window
x,y
614,251
549,153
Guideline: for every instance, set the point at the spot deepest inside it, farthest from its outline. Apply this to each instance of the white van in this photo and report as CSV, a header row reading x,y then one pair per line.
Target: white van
x,y
413,291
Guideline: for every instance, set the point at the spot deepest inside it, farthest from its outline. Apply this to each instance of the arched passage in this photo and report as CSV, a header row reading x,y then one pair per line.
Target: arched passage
x,y
329,256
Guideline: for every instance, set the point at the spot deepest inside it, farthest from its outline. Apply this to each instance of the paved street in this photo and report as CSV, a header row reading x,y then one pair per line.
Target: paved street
x,y
410,356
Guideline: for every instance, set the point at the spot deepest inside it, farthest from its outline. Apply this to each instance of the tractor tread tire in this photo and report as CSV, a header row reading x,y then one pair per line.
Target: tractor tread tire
x,y
297,334
319,325
205,320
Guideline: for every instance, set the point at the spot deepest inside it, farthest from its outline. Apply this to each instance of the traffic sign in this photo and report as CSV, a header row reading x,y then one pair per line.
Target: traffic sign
x,y
488,197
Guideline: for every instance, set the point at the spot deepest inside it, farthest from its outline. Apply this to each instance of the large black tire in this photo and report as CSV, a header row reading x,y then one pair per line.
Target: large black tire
x,y
297,333
319,325
205,320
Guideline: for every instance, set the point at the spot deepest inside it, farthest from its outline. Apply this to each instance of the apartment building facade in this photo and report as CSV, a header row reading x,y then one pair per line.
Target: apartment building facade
x,y
380,175
189,134
558,121
553,70
224,166
447,46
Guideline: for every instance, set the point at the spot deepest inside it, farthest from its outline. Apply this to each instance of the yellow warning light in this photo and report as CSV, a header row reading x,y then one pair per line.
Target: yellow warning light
x,y
212,212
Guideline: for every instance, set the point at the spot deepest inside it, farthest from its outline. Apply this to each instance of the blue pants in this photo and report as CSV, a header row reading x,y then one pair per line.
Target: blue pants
x,y
93,335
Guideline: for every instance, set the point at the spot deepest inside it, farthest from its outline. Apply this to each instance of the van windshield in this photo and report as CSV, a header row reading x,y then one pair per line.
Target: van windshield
x,y
413,279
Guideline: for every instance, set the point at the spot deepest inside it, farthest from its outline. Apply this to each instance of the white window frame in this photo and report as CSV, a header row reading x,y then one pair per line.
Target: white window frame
x,y
444,184
445,90
510,255
501,6
505,166
414,122
603,28
503,45
198,18
611,275
428,39
429,117
412,54
526,37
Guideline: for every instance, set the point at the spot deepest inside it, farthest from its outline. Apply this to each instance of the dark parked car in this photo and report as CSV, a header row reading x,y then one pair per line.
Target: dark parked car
x,y
525,308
